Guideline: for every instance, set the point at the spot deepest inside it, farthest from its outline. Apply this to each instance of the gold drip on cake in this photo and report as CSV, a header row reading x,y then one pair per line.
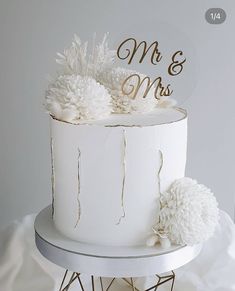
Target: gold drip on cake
x,y
79,188
123,178
52,178
159,171
159,177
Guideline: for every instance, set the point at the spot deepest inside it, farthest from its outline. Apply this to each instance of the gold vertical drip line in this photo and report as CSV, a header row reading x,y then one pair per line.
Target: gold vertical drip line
x,y
123,178
78,188
52,177
159,171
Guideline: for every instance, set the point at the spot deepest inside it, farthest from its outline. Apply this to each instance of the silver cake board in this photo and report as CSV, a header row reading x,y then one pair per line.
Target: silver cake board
x,y
104,261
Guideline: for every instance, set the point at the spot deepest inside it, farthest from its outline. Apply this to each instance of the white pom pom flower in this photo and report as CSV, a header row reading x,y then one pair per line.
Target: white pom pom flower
x,y
113,80
189,212
74,98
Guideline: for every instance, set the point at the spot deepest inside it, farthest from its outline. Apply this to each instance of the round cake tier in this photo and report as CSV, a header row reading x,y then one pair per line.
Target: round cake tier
x,y
107,175
106,261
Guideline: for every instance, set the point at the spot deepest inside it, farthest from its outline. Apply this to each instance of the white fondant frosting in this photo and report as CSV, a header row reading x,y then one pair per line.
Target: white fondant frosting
x,y
106,174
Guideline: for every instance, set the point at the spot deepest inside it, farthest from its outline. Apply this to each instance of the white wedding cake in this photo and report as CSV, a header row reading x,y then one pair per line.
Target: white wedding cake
x,y
118,160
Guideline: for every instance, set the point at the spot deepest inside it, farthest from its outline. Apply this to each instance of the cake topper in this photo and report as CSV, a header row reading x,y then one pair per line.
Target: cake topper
x,y
127,51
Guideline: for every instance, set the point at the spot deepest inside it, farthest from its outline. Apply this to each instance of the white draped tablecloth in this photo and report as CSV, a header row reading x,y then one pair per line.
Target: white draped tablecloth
x,y
23,268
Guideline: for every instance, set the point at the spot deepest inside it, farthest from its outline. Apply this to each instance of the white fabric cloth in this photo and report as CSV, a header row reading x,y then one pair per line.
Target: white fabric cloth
x,y
23,268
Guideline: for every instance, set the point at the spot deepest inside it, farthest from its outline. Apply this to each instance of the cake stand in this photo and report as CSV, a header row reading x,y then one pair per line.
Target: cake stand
x,y
102,261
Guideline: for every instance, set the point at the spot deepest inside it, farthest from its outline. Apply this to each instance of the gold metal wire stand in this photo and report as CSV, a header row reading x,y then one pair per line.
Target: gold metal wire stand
x,y
160,280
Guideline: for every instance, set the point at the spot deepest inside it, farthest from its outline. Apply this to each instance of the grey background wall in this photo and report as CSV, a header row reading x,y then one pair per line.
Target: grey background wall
x,y
31,32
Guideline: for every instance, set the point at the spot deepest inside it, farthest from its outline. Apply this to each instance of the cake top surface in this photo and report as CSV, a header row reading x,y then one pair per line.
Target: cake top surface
x,y
157,117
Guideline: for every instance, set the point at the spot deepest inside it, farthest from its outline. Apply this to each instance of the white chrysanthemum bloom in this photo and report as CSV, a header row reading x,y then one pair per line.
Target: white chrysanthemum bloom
x,y
113,80
189,212
73,98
